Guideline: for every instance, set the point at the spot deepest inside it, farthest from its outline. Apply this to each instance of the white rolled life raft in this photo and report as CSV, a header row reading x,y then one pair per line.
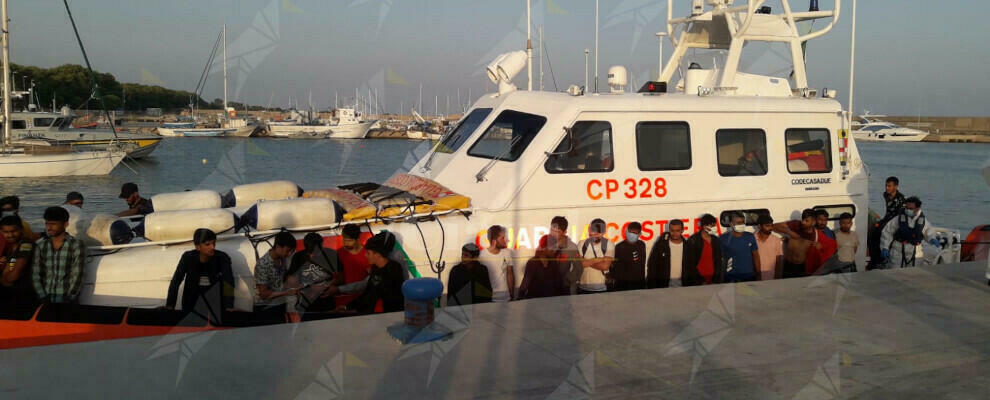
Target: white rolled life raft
x,y
245,195
191,200
180,225
289,214
98,229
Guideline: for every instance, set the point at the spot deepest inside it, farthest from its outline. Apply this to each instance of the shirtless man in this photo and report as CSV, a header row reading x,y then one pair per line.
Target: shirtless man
x,y
800,236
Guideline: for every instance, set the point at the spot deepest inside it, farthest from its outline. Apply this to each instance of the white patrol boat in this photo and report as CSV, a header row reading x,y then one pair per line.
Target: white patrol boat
x,y
721,140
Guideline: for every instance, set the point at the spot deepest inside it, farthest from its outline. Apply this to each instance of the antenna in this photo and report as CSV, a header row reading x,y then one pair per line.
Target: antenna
x,y
586,70
6,78
660,36
852,63
529,47
541,57
596,46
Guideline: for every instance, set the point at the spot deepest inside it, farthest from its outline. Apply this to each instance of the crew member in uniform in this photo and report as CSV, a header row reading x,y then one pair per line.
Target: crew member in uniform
x,y
894,201
903,234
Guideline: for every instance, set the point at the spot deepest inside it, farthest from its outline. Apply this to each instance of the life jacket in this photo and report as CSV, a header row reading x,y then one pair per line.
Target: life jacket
x,y
906,234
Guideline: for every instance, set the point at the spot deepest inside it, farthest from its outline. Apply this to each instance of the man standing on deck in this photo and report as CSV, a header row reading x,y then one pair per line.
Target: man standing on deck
x,y
354,262
894,201
136,205
703,264
468,282
821,222
11,205
58,261
498,261
742,255
801,236
666,263
630,260
565,251
16,253
903,234
206,278
597,254
771,249
74,199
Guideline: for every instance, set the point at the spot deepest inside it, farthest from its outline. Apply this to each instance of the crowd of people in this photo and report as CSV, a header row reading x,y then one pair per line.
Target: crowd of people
x,y
366,277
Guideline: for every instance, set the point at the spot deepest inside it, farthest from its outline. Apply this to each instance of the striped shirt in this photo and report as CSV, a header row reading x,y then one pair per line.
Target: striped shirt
x,y
58,274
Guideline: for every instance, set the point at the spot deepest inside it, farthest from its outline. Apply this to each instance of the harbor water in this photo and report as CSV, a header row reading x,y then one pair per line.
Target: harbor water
x,y
945,176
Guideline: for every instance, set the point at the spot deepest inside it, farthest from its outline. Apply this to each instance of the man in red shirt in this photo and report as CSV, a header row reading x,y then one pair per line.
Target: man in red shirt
x,y
703,263
807,247
355,263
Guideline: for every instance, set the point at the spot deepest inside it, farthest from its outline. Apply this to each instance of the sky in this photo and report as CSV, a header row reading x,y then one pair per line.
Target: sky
x,y
913,57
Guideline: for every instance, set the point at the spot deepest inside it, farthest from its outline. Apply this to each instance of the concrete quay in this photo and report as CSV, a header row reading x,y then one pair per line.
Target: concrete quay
x,y
917,333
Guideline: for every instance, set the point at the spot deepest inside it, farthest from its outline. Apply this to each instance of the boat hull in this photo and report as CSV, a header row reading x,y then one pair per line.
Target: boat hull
x,y
203,132
244,131
169,132
68,164
136,145
351,131
865,136
299,131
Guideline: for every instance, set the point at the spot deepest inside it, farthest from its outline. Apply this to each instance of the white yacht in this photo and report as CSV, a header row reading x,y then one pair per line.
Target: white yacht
x,y
57,128
348,124
299,126
871,128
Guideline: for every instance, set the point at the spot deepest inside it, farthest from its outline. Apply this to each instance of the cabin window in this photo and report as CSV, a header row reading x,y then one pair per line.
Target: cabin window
x,y
834,211
590,150
455,139
663,146
43,122
18,124
508,136
749,215
808,151
741,152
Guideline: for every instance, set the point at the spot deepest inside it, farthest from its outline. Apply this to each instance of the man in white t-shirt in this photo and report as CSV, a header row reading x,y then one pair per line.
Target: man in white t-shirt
x,y
597,254
499,261
665,265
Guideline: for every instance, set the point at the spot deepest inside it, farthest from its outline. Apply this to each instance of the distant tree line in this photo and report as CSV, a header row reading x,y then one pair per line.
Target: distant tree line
x,y
69,84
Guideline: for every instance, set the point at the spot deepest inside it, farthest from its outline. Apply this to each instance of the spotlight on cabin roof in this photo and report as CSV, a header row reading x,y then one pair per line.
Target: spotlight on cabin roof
x,y
504,68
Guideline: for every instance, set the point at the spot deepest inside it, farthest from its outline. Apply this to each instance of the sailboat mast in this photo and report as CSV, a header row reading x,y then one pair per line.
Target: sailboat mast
x,y
6,77
225,115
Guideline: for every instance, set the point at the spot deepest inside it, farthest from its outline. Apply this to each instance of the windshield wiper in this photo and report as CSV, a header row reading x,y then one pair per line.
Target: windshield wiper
x,y
480,176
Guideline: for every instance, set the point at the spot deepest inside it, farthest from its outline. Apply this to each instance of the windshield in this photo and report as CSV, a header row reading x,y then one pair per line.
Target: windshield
x,y
508,136
455,139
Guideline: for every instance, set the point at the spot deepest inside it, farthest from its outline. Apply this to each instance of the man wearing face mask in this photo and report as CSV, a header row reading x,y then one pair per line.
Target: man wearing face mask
x,y
741,253
666,262
703,255
630,260
904,233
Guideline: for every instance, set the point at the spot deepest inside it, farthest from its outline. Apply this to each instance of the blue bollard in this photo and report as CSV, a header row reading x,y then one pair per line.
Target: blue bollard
x,y
417,326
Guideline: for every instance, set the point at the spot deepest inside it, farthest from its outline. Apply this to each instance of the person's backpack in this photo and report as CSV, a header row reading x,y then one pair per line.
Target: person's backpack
x,y
584,247
609,278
